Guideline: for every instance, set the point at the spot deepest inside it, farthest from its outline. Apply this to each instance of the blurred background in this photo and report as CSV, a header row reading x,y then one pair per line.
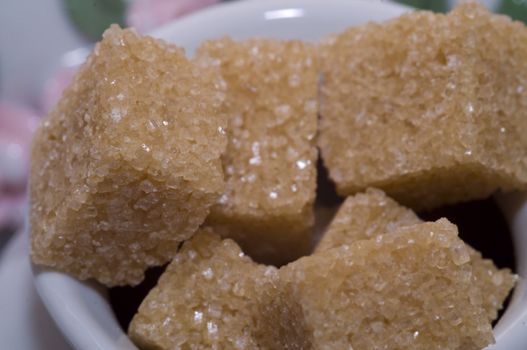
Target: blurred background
x,y
41,45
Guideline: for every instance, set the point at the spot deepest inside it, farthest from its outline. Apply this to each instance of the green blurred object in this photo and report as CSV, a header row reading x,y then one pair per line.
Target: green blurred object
x,y
92,17
432,5
516,9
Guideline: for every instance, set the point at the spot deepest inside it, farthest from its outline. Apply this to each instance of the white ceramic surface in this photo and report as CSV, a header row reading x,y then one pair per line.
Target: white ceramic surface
x,y
24,321
81,309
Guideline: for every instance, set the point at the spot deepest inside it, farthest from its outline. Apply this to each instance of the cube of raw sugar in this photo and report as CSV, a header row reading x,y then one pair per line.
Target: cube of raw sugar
x,y
431,108
127,164
270,160
206,299
495,284
411,289
367,215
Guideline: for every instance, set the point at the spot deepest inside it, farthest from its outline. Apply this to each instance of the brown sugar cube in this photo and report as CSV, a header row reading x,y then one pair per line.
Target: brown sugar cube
x,y
411,289
127,165
367,215
495,284
363,216
431,108
206,299
270,159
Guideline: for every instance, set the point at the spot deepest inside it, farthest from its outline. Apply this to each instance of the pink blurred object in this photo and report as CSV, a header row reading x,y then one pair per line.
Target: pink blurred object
x,y
146,15
17,125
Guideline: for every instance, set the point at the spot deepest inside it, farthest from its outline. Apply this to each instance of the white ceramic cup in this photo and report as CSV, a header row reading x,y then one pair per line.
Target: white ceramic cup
x,y
81,309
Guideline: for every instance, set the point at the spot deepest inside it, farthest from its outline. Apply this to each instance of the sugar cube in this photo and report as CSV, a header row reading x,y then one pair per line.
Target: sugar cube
x,y
431,108
367,215
127,165
206,299
271,108
411,289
